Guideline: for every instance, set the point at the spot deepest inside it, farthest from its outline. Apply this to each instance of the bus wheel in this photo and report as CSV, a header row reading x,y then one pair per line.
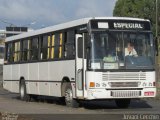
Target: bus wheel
x,y
69,100
123,103
23,93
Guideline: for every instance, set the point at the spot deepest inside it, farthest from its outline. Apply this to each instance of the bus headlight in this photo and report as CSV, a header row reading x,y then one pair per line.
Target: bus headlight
x,y
154,83
92,84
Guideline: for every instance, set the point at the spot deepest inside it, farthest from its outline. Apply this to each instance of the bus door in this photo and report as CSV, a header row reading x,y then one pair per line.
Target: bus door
x,y
79,65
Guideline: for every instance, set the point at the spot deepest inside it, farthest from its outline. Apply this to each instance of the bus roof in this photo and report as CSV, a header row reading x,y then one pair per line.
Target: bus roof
x,y
67,25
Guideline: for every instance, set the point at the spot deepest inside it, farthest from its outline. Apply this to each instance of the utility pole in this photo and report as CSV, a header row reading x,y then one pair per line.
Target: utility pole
x,y
157,59
156,19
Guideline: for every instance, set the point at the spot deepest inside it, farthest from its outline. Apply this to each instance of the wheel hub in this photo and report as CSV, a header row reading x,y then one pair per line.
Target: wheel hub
x,y
68,96
22,91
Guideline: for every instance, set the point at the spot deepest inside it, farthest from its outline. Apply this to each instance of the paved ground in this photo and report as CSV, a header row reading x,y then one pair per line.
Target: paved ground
x,y
10,103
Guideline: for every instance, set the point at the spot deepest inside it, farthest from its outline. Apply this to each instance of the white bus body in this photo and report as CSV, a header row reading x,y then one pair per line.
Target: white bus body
x,y
74,72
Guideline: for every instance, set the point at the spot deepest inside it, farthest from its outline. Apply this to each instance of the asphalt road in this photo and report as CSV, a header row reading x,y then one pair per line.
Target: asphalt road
x,y
49,109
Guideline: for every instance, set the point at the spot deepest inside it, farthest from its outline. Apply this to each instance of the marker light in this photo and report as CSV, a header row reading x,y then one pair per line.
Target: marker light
x,y
154,83
92,84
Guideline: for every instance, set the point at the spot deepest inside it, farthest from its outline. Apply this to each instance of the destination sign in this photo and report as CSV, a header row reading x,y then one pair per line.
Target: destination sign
x,y
128,25
121,24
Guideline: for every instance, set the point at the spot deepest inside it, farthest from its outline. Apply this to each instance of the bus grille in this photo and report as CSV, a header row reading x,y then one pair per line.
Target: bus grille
x,y
123,76
125,94
123,84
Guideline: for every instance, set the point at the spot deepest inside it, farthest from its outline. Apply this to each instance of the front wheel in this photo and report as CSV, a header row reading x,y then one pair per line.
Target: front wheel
x,y
123,103
69,100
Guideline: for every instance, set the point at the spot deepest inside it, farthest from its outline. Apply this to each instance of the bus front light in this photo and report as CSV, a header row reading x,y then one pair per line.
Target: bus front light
x,y
92,84
154,83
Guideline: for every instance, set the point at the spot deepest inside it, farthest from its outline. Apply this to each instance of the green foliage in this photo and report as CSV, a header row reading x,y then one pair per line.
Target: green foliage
x,y
140,9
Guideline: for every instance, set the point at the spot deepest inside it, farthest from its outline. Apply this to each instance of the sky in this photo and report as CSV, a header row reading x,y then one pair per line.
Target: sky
x,y
42,13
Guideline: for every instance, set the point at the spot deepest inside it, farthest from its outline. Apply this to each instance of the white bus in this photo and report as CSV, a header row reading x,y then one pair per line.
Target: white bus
x,y
97,58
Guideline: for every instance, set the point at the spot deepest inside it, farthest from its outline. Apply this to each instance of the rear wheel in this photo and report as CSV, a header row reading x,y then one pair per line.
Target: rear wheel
x,y
23,94
69,100
123,103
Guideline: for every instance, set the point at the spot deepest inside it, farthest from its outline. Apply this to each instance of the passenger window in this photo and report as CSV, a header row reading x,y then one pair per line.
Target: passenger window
x,y
52,46
57,46
34,49
24,50
49,47
44,47
70,44
60,45
9,52
16,51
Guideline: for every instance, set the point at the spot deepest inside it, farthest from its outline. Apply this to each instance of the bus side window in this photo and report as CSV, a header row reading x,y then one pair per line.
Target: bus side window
x,y
70,44
1,52
5,53
49,47
24,50
29,50
52,46
34,49
44,47
60,45
15,54
56,48
16,51
8,53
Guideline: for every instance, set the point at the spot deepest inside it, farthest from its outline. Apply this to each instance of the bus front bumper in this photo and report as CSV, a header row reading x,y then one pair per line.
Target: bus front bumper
x,y
120,93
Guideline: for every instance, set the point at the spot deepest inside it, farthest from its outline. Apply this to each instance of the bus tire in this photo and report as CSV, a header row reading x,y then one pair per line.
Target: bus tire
x,y
69,100
23,92
123,103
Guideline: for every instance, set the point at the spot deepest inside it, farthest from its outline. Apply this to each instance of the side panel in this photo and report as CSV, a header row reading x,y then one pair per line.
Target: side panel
x,y
58,70
24,71
15,78
33,71
33,77
7,72
7,75
41,78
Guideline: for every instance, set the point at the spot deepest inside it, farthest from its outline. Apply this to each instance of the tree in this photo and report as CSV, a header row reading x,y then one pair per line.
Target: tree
x,y
138,8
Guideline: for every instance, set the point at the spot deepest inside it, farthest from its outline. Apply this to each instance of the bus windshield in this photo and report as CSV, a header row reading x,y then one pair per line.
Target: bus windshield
x,y
121,50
